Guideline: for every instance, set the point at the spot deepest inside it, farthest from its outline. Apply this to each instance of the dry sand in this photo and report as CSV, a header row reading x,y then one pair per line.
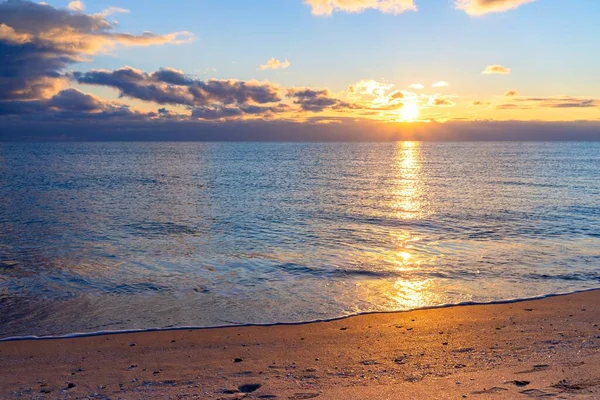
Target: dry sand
x,y
546,348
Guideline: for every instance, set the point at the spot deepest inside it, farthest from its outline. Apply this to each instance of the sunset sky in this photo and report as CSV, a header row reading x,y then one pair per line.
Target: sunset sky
x,y
230,63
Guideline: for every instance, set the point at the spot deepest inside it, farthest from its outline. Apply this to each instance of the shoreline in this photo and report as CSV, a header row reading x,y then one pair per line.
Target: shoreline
x,y
75,335
548,347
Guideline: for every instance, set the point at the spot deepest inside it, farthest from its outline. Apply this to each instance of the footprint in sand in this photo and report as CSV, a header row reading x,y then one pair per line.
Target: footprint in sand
x,y
537,393
302,396
369,362
493,390
518,383
249,388
535,368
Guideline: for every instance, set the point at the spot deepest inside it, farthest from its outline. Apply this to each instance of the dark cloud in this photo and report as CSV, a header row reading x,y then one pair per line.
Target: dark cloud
x,y
511,93
38,41
67,104
234,91
137,84
74,100
315,100
170,75
230,111
169,86
216,112
22,107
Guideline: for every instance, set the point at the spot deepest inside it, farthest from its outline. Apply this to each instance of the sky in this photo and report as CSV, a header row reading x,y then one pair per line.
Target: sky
x,y
235,69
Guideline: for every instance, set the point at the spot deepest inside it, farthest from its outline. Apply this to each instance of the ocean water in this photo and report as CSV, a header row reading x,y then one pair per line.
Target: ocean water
x,y
112,236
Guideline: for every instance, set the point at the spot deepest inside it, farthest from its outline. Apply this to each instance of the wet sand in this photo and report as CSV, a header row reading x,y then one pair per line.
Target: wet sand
x,y
547,348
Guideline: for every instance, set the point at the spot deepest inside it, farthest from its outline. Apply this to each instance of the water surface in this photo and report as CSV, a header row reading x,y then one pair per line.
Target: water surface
x,y
109,236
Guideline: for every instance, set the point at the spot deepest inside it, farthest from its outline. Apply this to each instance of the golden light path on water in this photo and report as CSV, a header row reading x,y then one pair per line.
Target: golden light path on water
x,y
409,205
407,288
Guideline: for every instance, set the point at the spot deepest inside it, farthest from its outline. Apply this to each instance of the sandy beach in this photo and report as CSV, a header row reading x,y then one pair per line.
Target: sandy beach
x,y
530,349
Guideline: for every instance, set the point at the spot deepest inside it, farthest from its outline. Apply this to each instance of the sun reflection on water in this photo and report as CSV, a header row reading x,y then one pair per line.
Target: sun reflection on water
x,y
410,290
409,191
413,294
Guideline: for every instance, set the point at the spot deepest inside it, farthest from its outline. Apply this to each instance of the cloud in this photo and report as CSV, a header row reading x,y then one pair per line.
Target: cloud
x,y
68,104
371,95
513,106
76,5
440,84
573,103
315,100
137,84
171,86
369,89
439,102
275,64
526,103
112,10
170,75
213,99
327,7
481,7
227,112
511,93
495,69
38,41
481,103
398,94
74,100
416,86
229,98
366,97
8,35
561,102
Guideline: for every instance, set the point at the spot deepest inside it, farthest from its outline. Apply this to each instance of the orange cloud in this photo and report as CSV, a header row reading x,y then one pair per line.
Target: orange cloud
x,y
481,7
51,39
496,69
76,5
9,35
511,93
327,7
273,63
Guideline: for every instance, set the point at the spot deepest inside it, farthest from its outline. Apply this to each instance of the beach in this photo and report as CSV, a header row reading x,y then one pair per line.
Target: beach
x,y
527,349
302,199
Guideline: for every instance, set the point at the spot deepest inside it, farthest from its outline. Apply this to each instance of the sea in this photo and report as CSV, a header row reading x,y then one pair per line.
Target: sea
x,y
98,237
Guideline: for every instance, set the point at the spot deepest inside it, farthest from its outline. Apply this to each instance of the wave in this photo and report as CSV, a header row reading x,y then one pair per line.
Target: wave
x,y
578,277
182,328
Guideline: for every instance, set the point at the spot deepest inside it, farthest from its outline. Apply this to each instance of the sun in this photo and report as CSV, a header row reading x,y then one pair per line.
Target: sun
x,y
409,112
